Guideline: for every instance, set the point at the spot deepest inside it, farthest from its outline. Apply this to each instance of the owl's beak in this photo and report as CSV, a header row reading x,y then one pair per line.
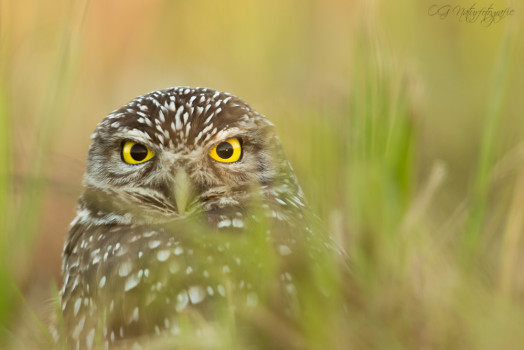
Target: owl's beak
x,y
183,190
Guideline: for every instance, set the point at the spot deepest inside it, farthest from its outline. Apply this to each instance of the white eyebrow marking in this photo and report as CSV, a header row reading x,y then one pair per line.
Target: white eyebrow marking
x,y
139,135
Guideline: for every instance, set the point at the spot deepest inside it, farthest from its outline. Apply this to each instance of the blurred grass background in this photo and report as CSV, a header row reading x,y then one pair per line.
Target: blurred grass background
x,y
406,132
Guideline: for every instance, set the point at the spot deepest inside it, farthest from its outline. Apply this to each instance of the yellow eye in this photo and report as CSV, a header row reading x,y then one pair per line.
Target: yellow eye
x,y
135,153
228,151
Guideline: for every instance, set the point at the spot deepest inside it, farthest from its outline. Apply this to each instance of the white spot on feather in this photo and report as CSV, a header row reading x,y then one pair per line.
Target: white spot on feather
x,y
154,244
284,250
238,223
161,116
281,201
221,290
163,255
77,305
135,315
178,120
79,327
125,269
209,118
90,338
131,282
199,110
196,294
182,299
224,223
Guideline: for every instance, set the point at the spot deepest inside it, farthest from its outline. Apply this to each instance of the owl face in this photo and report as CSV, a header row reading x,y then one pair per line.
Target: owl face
x,y
175,152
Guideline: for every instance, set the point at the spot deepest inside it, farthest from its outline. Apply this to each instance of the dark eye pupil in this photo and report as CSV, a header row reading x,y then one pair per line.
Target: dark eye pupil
x,y
138,152
225,150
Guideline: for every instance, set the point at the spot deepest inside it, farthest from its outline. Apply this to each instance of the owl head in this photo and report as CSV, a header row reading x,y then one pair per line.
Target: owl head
x,y
175,152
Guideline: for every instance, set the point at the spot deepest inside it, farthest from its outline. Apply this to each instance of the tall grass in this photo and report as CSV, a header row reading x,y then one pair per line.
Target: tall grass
x,y
421,283
6,189
6,198
22,194
483,177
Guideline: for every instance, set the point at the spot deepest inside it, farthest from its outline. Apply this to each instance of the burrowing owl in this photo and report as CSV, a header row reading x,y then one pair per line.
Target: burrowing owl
x,y
190,210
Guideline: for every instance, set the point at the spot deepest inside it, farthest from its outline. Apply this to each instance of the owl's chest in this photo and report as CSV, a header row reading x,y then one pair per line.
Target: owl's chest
x,y
141,280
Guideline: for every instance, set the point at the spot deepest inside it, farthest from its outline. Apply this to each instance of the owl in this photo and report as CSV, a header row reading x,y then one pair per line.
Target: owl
x,y
191,212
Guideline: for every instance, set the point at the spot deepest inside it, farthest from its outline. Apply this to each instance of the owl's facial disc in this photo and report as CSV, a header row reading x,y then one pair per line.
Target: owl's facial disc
x,y
173,152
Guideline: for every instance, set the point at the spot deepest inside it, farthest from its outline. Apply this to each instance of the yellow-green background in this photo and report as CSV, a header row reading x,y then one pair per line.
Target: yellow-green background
x,y
405,130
